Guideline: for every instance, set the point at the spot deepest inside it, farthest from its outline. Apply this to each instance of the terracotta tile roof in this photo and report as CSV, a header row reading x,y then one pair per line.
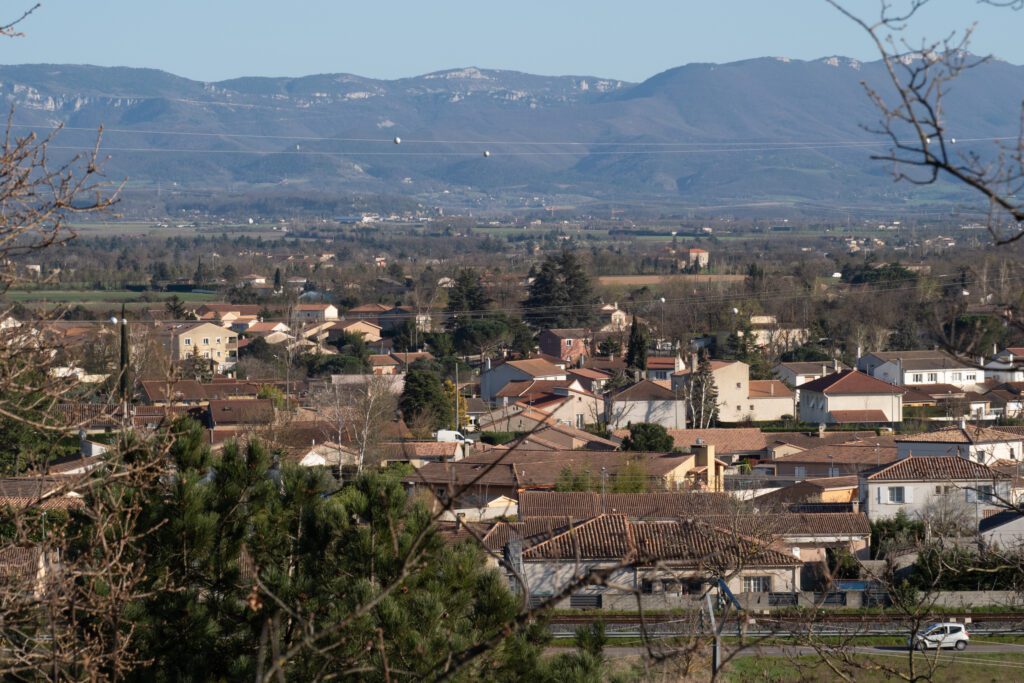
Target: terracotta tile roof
x,y
410,357
586,504
588,373
536,367
850,382
661,362
645,390
609,365
806,440
958,434
530,532
420,449
603,537
368,308
858,416
380,360
20,561
39,492
769,388
861,453
679,543
825,483
526,388
693,543
462,474
726,441
920,360
936,468
247,412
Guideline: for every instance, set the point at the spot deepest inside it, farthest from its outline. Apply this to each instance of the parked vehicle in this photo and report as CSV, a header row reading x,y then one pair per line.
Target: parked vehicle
x,y
939,636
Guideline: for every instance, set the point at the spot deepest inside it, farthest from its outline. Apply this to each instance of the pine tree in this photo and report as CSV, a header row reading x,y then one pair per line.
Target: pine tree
x,y
636,351
561,294
467,294
424,398
175,308
278,282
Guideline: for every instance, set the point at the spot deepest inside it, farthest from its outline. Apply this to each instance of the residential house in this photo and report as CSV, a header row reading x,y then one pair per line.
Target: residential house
x,y
1006,366
836,460
316,313
850,397
661,368
369,331
407,358
593,381
207,339
571,345
369,312
908,368
766,332
1002,530
741,399
239,414
914,483
562,401
612,318
645,401
562,437
811,493
663,559
798,373
221,312
381,364
731,444
697,258
495,377
1006,399
979,444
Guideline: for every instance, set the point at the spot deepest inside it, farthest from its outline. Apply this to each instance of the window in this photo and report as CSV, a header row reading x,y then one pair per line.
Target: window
x,y
986,493
943,490
933,377
896,495
957,376
580,424
206,341
568,343
218,340
188,341
917,377
751,407
800,471
833,471
757,584
970,376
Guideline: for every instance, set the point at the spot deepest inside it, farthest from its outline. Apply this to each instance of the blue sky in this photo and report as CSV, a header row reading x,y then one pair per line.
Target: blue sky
x,y
625,39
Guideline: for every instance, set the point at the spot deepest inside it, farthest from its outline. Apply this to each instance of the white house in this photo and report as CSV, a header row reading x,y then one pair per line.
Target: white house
x,y
1006,366
645,401
915,483
316,312
798,373
493,379
978,444
850,397
909,368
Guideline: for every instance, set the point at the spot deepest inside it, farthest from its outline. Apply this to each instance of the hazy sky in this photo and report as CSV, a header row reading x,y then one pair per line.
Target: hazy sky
x,y
625,39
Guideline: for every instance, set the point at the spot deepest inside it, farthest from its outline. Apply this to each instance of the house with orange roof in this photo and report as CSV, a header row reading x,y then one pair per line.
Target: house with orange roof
x,y
850,397
495,377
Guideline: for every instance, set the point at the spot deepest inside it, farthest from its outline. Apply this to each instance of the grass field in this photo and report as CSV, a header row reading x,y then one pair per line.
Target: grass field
x,y
641,280
98,296
958,668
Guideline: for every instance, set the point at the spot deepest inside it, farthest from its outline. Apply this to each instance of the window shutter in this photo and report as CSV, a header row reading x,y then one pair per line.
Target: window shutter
x,y
908,494
971,494
878,492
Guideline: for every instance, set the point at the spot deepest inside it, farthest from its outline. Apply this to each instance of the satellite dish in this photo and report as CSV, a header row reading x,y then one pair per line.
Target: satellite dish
x,y
735,311
398,140
487,153
298,148
952,140
113,320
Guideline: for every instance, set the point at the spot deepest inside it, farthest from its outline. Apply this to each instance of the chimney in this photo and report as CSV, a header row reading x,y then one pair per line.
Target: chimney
x,y
704,456
835,364
693,361
821,430
963,423
824,370
487,363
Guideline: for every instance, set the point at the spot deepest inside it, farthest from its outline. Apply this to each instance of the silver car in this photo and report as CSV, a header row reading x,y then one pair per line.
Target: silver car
x,y
941,635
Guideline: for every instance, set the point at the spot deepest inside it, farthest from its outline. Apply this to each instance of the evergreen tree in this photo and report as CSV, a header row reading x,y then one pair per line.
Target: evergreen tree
x,y
278,281
649,437
199,367
424,398
467,294
636,351
561,294
175,308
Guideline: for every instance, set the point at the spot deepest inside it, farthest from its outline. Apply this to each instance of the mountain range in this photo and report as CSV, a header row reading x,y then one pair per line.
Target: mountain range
x,y
760,131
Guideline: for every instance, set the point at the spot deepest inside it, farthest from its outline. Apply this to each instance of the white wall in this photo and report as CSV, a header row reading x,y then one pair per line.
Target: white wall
x,y
919,495
670,414
815,407
985,453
